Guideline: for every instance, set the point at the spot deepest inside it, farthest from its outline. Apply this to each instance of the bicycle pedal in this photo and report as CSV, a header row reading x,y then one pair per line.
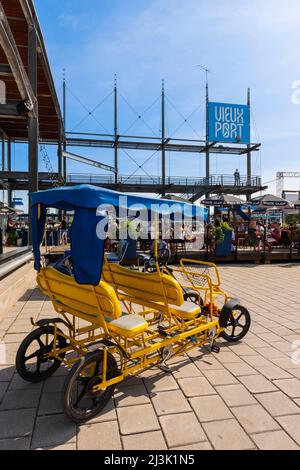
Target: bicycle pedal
x,y
214,348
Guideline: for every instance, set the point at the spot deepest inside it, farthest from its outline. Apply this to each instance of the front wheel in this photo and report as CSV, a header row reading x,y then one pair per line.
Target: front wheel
x,y
33,363
80,402
238,325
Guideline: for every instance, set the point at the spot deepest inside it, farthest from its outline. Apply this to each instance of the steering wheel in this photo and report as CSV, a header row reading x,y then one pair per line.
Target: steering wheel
x,y
163,255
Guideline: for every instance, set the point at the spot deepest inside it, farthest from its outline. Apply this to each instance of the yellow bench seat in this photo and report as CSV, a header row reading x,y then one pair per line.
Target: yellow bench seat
x,y
128,325
186,311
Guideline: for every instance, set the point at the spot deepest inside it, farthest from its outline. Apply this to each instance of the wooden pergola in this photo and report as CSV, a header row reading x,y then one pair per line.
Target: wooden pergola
x,y
29,107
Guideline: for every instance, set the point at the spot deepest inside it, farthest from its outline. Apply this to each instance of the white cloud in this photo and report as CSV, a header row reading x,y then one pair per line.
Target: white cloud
x,y
69,21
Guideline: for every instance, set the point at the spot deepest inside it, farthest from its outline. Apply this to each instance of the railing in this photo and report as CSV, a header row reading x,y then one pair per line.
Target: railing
x,y
213,180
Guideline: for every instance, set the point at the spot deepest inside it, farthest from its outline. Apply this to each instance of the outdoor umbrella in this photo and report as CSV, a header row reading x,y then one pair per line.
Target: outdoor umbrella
x,y
5,210
268,200
222,200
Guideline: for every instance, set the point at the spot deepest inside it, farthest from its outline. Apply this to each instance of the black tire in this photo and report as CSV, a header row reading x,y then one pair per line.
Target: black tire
x,y
193,297
95,402
35,336
229,334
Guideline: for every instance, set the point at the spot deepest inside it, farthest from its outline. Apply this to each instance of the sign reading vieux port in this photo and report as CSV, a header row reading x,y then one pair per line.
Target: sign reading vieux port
x,y
229,123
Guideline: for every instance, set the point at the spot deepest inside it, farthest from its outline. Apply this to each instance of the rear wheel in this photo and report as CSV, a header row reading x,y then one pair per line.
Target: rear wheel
x,y
238,325
80,402
32,361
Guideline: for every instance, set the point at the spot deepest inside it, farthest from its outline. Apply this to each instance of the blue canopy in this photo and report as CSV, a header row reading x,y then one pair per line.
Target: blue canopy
x,y
86,247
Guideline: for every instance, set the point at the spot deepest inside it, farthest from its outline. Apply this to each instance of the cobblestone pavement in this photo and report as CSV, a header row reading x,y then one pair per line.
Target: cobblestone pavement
x,y
246,397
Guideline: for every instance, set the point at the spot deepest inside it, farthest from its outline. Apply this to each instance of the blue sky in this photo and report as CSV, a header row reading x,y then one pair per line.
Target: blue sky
x,y
246,44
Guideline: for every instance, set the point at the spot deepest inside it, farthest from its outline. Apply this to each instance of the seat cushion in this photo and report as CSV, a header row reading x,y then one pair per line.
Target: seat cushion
x,y
186,311
128,325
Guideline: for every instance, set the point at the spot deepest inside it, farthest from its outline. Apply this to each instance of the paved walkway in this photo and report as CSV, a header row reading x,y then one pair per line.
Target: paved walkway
x,y
247,397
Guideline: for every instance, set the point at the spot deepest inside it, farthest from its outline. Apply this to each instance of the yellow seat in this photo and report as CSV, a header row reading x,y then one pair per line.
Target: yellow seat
x,y
98,305
186,311
127,325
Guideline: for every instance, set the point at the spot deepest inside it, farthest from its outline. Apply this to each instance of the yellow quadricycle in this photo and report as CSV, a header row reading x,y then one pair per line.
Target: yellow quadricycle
x,y
115,322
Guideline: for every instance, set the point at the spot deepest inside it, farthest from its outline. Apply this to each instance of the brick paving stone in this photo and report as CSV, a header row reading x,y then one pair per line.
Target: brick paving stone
x,y
145,441
254,418
182,429
235,395
275,440
207,362
289,386
109,413
160,382
52,431
286,363
277,403
271,353
256,361
99,436
173,401
16,399
136,419
17,383
228,357
198,446
220,377
243,350
291,425
69,446
18,443
3,388
196,386
6,373
16,423
184,368
50,403
273,372
132,395
257,384
239,370
228,435
210,408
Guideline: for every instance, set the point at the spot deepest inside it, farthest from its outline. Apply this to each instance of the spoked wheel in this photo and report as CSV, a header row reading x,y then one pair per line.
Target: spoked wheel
x,y
238,325
32,362
194,297
80,402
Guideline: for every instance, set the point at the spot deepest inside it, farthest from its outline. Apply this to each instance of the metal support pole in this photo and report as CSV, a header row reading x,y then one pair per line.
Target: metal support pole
x,y
163,149
249,170
32,122
116,137
64,162
9,192
3,153
207,159
60,153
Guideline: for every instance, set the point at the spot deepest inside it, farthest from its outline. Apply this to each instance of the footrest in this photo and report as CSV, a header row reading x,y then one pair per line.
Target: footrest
x,y
215,349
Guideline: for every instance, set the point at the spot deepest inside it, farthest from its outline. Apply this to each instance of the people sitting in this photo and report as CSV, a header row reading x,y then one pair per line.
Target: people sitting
x,y
254,235
273,236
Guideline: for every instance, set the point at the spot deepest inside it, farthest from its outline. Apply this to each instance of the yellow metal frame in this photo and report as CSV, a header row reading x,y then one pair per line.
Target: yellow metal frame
x,y
144,350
